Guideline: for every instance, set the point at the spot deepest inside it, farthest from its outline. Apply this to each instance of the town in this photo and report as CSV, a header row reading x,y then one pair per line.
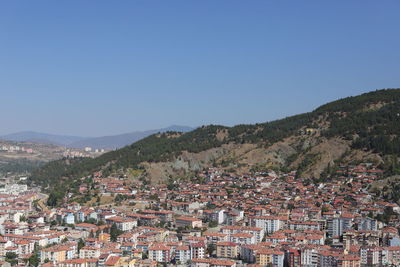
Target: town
x,y
217,218
199,133
37,151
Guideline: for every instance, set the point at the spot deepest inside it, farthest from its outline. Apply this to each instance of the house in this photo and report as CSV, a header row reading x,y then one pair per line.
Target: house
x,y
86,227
54,254
303,226
145,219
257,232
78,263
89,253
314,239
198,250
270,224
69,218
123,224
163,215
104,237
160,253
182,254
248,253
188,221
309,256
217,216
103,216
328,258
337,226
294,258
349,261
242,238
391,255
272,257
3,244
24,247
112,261
370,256
92,242
212,263
127,262
4,264
213,238
234,216
227,250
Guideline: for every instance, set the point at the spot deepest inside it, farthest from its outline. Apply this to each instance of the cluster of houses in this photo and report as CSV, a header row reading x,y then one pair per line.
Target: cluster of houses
x,y
78,153
228,220
16,149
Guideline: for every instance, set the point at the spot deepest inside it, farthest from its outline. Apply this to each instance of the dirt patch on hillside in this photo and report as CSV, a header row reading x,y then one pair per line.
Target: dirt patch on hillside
x,y
185,163
375,106
243,156
222,135
293,151
356,156
274,155
327,151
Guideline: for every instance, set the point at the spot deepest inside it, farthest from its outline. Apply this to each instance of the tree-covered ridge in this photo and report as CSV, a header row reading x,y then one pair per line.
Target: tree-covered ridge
x,y
341,123
53,173
357,103
370,120
155,148
376,129
164,147
270,132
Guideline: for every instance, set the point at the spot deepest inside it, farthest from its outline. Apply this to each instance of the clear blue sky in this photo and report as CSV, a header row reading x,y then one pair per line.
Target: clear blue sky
x,y
104,67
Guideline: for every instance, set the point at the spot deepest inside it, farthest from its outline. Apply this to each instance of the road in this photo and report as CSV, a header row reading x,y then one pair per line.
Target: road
x,y
42,202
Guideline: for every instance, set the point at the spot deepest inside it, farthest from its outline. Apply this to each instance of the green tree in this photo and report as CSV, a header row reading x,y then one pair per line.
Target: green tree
x,y
213,224
12,258
325,209
81,244
53,199
210,249
34,260
114,232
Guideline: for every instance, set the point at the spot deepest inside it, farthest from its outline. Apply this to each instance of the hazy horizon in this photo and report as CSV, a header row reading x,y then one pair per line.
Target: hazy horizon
x,y
144,130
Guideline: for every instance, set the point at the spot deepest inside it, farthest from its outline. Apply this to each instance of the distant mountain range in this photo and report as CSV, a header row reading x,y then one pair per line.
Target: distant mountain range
x,y
43,138
106,142
121,140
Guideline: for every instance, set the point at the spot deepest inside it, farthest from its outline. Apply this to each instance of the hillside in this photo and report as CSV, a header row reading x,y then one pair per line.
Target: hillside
x,y
22,157
364,127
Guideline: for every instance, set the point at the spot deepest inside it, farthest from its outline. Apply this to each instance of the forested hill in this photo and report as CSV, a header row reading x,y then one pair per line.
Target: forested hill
x,y
368,123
